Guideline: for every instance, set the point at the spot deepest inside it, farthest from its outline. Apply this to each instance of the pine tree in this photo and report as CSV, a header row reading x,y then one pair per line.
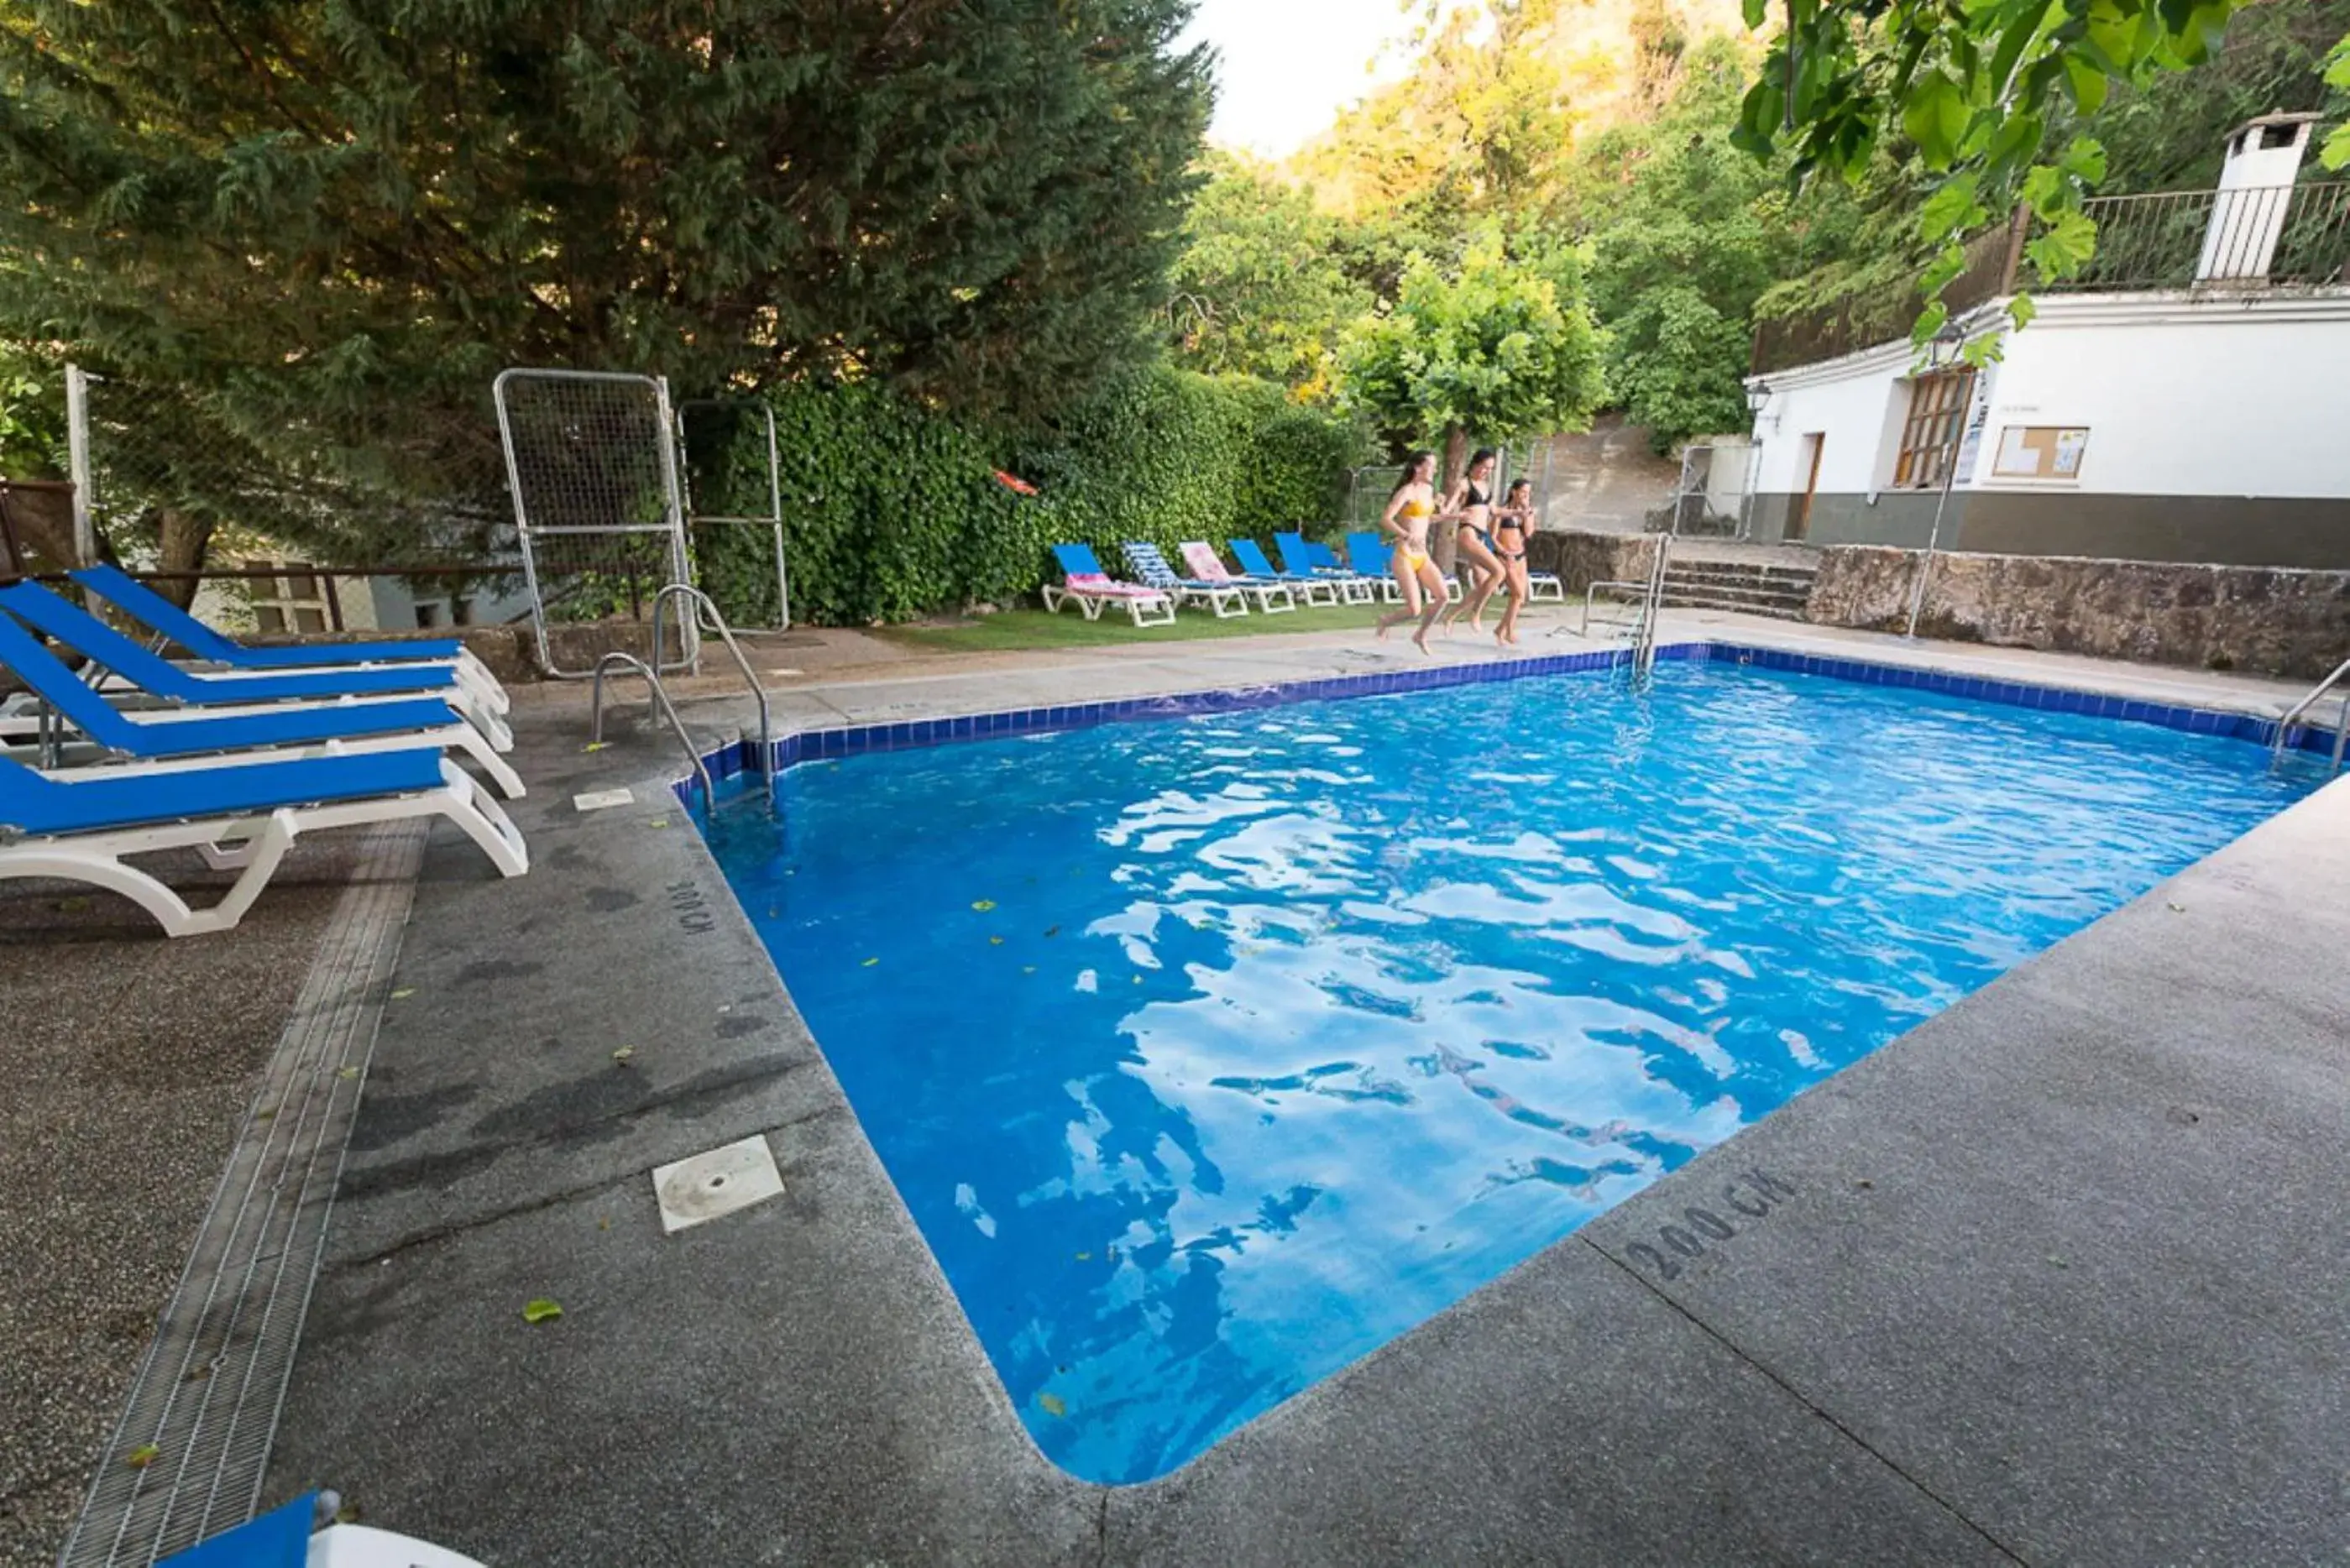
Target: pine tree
x,y
323,226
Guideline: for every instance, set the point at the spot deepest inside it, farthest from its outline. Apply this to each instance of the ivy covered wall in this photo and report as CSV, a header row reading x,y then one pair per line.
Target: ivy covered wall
x,y
892,511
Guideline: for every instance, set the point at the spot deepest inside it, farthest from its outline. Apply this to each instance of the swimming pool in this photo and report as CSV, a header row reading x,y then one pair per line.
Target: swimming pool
x,y
1212,1053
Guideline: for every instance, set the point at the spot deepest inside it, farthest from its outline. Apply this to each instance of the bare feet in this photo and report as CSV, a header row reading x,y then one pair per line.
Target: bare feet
x,y
1420,640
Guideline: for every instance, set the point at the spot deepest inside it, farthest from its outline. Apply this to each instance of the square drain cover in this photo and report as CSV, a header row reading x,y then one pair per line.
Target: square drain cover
x,y
715,1183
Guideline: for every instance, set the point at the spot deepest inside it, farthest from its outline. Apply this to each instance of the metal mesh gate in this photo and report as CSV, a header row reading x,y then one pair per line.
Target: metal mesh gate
x,y
1708,498
734,485
592,465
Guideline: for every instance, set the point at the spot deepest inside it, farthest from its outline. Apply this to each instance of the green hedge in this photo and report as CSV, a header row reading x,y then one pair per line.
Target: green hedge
x,y
892,511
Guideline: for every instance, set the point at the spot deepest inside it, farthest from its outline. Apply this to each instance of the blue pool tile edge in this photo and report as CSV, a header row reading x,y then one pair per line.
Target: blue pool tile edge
x,y
2021,694
816,745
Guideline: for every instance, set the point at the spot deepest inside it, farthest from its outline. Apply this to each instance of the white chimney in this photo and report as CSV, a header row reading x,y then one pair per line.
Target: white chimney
x,y
2247,211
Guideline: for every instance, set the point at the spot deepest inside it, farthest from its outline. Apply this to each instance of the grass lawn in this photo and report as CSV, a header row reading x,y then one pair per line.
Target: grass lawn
x,y
1023,628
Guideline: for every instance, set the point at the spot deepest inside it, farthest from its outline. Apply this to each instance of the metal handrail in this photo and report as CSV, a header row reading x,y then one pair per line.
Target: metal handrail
x,y
1590,591
2316,693
1644,644
661,701
703,605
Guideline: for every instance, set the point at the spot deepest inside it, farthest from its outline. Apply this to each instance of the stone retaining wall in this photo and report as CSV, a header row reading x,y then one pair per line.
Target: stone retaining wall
x,y
1582,558
2265,621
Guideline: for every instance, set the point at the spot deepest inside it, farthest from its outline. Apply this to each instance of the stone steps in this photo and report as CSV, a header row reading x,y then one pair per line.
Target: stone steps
x,y
1781,592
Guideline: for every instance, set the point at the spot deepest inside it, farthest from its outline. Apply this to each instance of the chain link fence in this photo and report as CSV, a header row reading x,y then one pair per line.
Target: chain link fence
x,y
1710,499
734,493
169,481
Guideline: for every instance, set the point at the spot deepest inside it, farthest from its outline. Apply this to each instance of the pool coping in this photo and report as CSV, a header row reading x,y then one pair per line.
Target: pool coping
x,y
1447,1443
736,757
735,760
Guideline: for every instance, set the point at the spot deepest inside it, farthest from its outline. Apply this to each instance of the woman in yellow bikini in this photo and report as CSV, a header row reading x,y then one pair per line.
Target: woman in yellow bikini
x,y
1409,511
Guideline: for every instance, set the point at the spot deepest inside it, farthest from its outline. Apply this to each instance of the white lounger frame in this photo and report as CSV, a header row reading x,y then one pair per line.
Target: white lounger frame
x,y
1227,602
481,737
1154,608
257,841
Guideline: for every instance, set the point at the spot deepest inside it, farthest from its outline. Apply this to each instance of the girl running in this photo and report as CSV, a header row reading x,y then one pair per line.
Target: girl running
x,y
1468,509
1406,520
1513,529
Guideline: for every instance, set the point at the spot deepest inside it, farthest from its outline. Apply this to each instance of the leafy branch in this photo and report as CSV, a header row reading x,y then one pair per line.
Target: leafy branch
x,y
1979,89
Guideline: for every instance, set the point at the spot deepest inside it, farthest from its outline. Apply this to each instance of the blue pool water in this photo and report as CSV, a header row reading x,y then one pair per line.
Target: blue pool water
x,y
1212,1053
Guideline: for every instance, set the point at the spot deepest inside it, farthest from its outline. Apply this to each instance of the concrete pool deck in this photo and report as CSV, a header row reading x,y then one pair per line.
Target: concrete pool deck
x,y
2056,1276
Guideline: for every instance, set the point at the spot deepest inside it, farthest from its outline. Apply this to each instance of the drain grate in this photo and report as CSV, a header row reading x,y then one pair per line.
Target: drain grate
x,y
203,1408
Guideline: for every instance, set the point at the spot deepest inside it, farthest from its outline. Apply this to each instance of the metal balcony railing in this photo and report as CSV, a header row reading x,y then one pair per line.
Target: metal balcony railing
x,y
2277,236
2283,236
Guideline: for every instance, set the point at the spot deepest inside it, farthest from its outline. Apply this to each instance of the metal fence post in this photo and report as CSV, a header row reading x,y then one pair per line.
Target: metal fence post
x,y
77,464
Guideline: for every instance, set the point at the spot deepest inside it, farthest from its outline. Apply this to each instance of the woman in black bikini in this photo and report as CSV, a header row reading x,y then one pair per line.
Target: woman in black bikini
x,y
1469,507
1513,526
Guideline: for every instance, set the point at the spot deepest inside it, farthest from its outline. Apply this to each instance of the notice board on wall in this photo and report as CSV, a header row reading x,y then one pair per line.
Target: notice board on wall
x,y
2041,452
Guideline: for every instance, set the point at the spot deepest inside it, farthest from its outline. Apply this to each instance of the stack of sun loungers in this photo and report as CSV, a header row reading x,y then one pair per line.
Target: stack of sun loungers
x,y
1308,572
234,752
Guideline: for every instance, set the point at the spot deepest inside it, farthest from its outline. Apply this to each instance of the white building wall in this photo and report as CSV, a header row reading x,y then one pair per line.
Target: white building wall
x,y
2219,397
1848,404
2213,399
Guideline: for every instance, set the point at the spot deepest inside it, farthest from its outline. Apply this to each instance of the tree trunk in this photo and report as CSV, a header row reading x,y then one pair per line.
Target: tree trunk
x,y
41,522
1447,536
186,540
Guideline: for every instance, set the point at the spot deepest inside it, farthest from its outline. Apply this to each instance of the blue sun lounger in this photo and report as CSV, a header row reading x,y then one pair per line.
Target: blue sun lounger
x,y
84,827
72,626
151,609
1369,555
1317,589
1297,559
1090,588
401,723
174,625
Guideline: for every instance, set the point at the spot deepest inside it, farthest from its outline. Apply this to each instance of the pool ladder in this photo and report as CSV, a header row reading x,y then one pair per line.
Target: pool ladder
x,y
701,607
1643,629
2286,725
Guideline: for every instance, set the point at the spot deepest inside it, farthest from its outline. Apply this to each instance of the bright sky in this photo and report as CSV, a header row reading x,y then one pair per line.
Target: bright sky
x,y
1289,65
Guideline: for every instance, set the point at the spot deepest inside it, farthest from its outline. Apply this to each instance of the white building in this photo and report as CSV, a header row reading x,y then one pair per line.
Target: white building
x,y
2185,399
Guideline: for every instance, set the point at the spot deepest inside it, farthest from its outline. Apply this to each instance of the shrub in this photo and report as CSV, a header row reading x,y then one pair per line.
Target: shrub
x,y
892,511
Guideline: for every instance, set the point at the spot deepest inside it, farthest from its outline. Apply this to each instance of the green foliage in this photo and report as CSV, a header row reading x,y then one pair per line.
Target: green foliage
x,y
1690,233
32,417
2160,130
1977,90
1260,289
893,510
1498,347
2335,151
1678,366
2166,134
325,227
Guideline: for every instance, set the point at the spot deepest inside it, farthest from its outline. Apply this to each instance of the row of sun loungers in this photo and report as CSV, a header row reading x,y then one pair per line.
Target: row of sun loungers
x,y
231,750
1308,573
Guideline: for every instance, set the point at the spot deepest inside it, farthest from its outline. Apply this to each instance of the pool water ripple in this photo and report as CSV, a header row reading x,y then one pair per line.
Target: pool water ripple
x,y
1211,1053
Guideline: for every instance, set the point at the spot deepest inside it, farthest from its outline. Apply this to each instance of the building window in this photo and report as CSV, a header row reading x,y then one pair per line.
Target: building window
x,y
1937,406
293,602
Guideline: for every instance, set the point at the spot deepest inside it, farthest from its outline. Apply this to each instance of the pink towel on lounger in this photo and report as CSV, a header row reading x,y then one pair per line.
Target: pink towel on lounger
x,y
1100,586
1204,564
